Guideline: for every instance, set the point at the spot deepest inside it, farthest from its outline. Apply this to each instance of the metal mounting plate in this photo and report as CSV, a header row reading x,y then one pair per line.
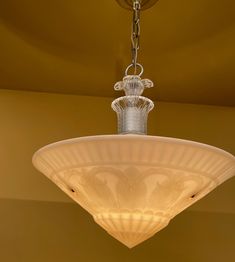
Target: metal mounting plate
x,y
128,4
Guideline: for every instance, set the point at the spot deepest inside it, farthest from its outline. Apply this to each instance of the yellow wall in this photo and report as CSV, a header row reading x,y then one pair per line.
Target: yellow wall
x,y
33,231
30,120
48,231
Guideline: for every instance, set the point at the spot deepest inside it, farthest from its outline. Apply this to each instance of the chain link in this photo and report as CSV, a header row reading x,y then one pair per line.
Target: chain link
x,y
135,36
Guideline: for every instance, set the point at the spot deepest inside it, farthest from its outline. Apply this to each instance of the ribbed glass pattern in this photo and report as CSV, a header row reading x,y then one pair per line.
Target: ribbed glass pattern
x,y
132,109
134,185
132,113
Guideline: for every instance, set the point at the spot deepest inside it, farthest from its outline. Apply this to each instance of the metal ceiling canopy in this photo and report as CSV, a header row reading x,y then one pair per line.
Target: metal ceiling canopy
x,y
128,4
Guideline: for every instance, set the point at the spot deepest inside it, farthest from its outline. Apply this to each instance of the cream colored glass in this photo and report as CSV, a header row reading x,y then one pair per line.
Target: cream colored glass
x,y
134,185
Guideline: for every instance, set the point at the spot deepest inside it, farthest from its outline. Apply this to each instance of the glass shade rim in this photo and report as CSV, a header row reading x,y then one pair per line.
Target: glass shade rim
x,y
133,137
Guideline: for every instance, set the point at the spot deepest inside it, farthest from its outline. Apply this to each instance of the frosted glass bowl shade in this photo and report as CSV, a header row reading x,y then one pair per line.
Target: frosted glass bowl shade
x,y
133,185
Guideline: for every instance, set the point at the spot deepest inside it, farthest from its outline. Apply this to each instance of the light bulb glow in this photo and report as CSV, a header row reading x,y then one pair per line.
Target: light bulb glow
x,y
134,185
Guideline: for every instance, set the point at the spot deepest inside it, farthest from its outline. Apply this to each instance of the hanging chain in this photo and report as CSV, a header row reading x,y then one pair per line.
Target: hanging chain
x,y
135,39
135,36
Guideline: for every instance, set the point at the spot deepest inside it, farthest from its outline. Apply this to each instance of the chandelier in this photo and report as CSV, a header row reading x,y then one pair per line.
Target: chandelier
x,y
131,183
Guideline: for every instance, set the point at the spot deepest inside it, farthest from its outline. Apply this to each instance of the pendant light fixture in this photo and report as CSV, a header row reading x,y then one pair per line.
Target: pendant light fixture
x,y
131,183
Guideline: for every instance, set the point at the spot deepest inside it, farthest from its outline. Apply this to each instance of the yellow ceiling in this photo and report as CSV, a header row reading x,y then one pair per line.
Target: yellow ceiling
x,y
82,47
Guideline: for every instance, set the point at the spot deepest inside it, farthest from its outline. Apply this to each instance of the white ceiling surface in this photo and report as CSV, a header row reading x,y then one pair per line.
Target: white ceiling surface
x,y
82,47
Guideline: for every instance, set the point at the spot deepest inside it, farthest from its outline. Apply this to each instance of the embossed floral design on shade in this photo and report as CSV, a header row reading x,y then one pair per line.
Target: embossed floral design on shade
x,y
134,185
